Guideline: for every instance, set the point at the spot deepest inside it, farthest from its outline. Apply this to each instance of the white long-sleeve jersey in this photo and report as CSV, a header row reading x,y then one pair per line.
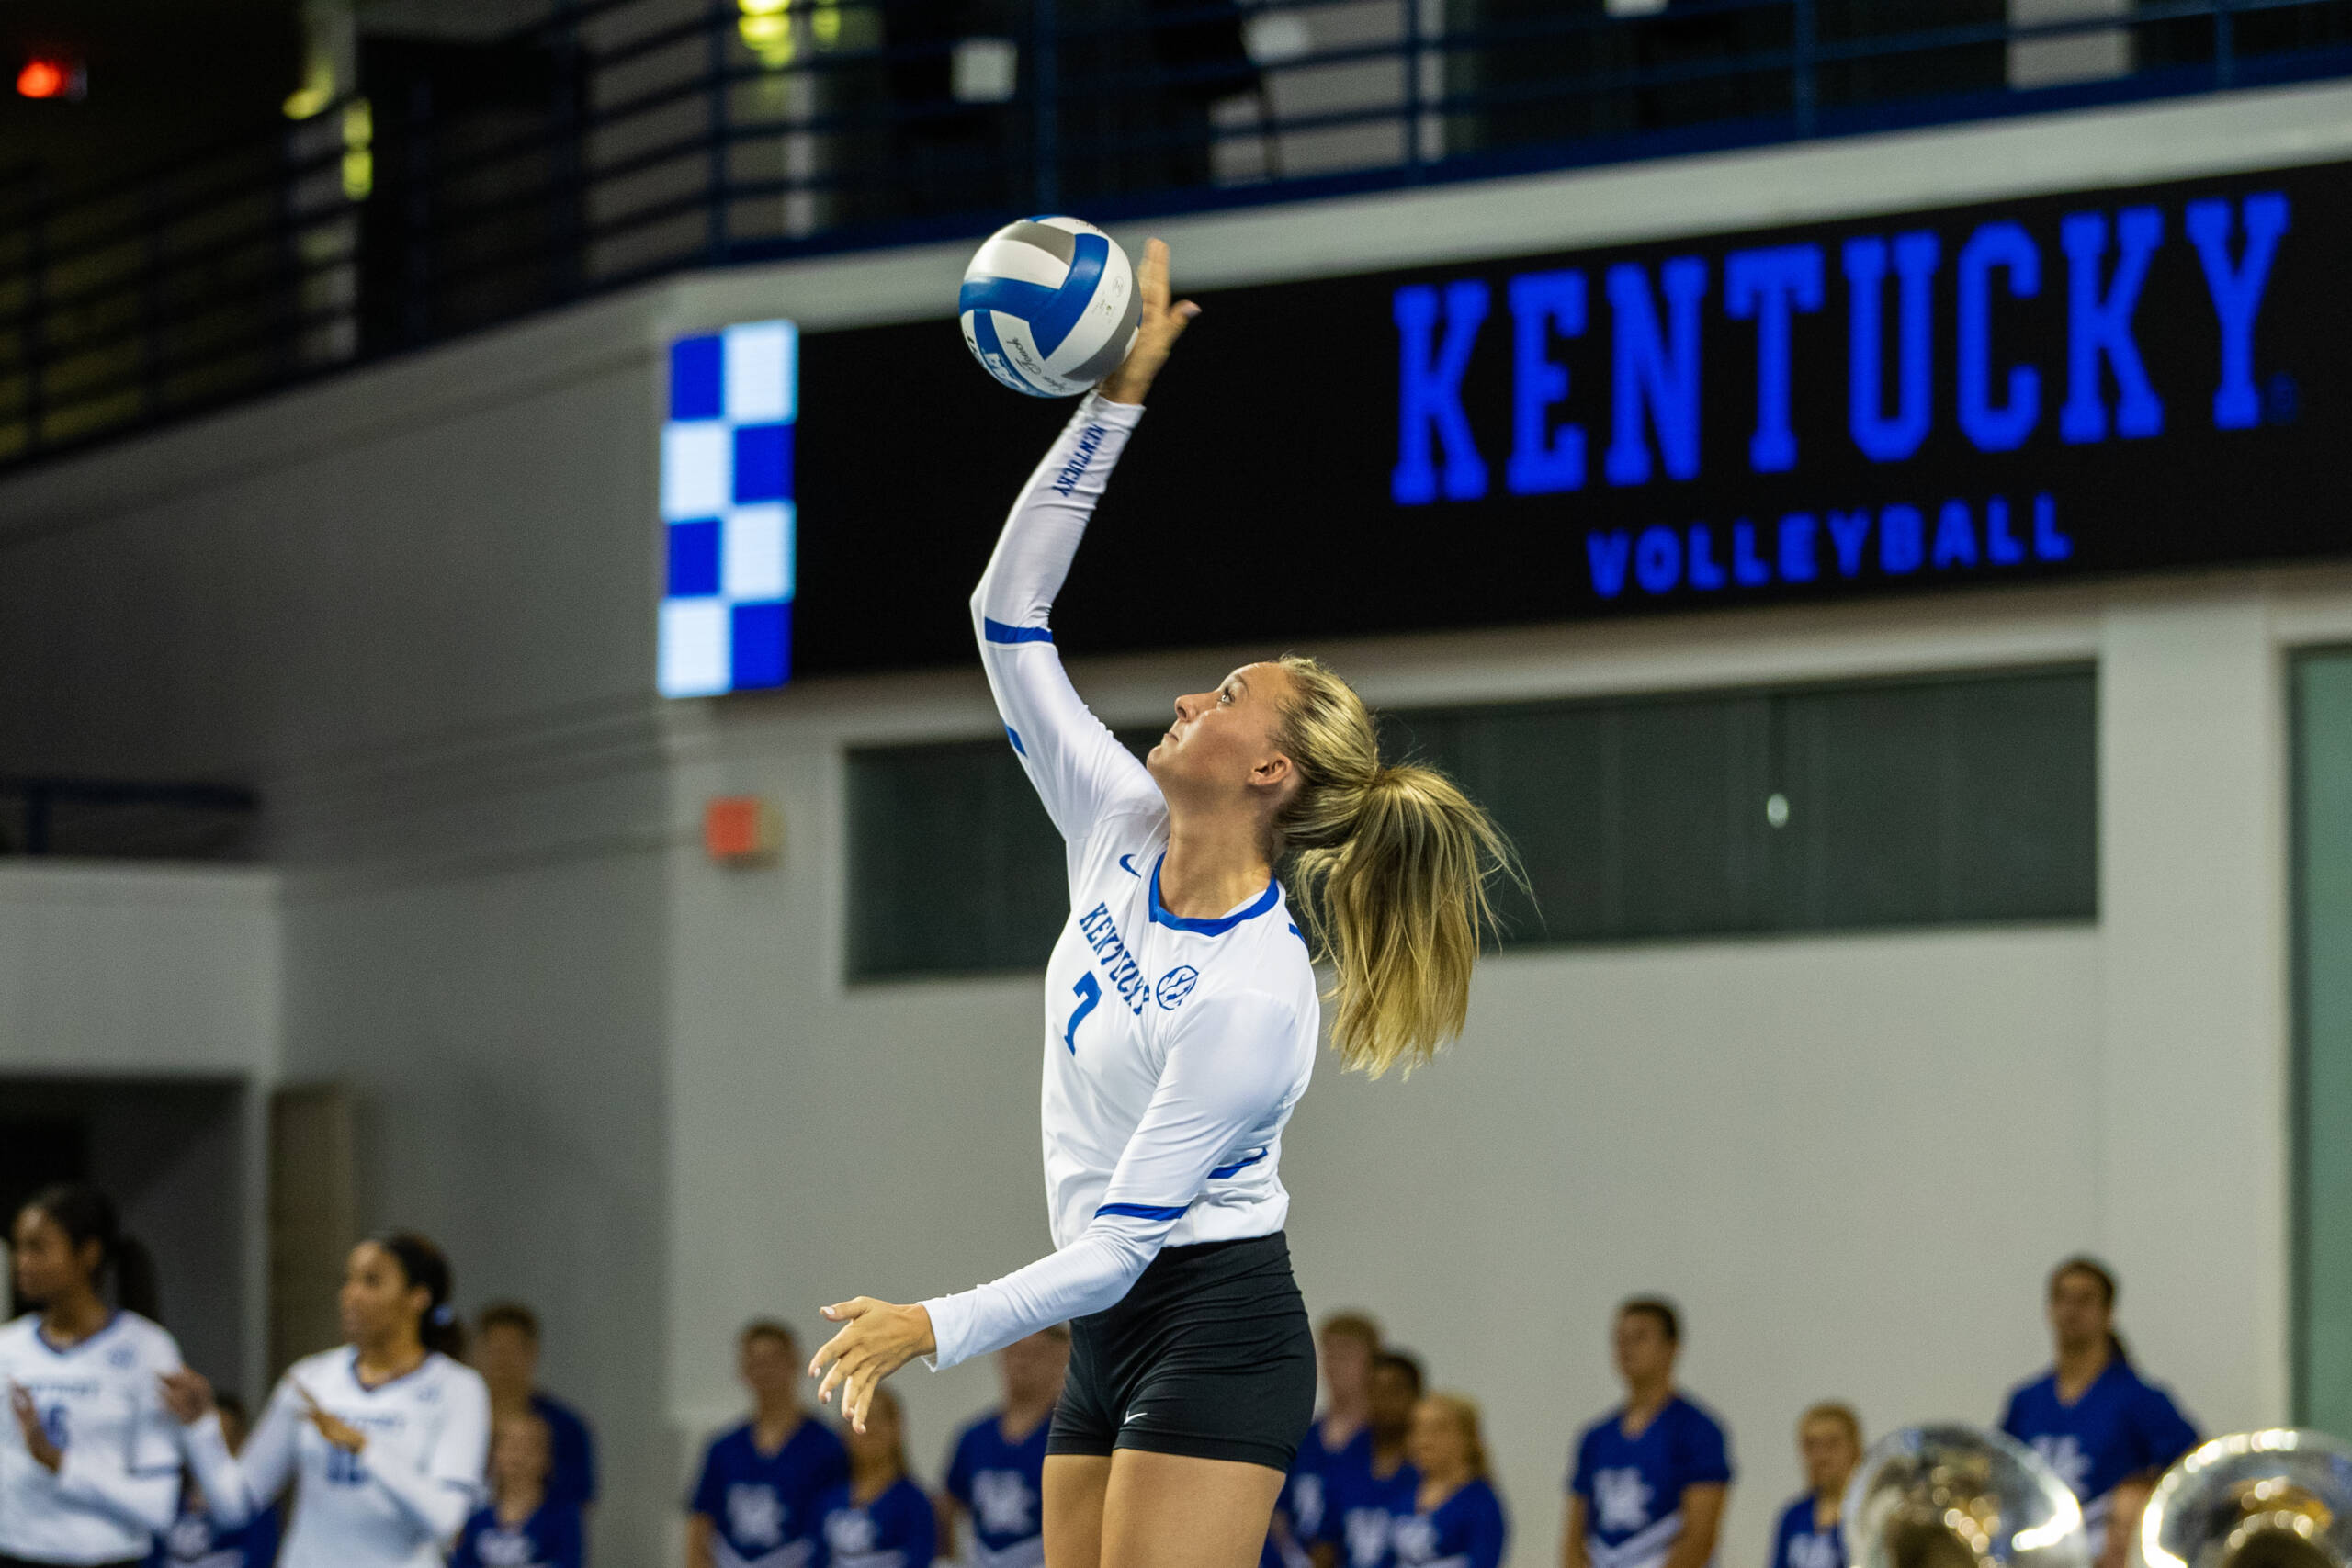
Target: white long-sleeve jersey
x,y
396,1504
1174,1048
119,1481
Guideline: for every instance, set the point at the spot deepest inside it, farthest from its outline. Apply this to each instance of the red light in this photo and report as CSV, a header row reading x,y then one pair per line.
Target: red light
x,y
50,79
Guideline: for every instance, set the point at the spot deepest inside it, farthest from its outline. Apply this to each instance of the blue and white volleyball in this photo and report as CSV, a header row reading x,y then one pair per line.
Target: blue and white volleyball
x,y
1050,306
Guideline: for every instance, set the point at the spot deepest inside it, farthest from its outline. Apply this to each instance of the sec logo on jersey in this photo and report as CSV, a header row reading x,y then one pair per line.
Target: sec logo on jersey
x,y
1176,985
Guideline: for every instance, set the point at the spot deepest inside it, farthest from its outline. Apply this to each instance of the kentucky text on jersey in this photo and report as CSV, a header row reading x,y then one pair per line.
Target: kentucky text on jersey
x,y
1163,1117
1111,953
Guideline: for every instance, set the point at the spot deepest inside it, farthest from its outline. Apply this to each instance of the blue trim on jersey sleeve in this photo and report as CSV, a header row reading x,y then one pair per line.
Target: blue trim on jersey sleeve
x,y
1223,923
1225,1170
997,631
1014,735
1143,1211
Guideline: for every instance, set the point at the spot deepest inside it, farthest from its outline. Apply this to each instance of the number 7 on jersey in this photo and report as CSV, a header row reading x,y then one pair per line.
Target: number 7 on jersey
x,y
1089,996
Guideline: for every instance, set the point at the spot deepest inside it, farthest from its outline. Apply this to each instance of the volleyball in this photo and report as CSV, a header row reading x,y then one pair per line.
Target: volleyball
x,y
1050,306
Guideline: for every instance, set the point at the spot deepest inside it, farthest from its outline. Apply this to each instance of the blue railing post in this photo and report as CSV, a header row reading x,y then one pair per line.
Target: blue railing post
x,y
2225,59
715,174
1805,91
1045,90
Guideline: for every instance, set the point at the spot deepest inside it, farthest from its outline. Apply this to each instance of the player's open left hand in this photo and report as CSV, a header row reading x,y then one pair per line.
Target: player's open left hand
x,y
877,1339
1156,335
332,1428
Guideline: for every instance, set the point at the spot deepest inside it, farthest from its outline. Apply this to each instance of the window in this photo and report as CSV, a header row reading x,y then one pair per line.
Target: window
x,y
1948,800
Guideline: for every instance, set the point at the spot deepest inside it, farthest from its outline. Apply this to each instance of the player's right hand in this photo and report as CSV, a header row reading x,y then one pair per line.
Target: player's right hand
x,y
1156,335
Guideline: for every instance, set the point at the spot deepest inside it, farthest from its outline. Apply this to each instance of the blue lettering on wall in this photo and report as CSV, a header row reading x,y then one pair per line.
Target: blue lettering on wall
x,y
2098,325
2237,293
1882,437
1430,393
1660,559
1764,285
1542,303
1995,427
1654,372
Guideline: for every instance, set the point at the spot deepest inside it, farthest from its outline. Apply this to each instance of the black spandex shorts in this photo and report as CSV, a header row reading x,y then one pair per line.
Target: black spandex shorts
x,y
1210,1356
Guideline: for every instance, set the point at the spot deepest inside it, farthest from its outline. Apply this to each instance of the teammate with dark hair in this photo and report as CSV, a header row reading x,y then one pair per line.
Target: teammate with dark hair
x,y
89,1458
383,1440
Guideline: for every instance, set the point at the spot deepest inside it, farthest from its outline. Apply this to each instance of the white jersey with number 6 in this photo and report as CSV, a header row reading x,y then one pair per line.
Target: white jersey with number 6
x,y
119,1481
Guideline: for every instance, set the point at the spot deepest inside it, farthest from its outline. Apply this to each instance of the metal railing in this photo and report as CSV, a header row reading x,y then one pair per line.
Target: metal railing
x,y
619,140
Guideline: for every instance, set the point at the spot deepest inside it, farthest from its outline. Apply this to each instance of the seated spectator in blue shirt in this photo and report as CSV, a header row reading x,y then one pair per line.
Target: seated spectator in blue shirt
x,y
1336,1447
877,1519
507,1354
194,1541
996,1477
2106,1432
755,1503
1651,1477
1363,1504
1457,1521
1829,1443
525,1526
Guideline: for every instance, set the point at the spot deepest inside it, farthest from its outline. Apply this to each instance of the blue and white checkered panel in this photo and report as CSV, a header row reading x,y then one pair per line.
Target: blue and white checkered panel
x,y
727,510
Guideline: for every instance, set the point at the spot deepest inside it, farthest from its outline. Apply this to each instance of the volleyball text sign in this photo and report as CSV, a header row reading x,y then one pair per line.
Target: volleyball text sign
x,y
2110,381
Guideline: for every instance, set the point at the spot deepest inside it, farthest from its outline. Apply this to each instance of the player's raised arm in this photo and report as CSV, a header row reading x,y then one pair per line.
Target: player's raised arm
x,y
1078,767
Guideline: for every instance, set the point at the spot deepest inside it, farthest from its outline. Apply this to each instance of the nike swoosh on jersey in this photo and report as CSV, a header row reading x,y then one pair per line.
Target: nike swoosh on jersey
x,y
1128,866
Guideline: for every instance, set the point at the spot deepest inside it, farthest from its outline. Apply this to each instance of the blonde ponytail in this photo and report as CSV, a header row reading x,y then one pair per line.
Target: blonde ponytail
x,y
1392,865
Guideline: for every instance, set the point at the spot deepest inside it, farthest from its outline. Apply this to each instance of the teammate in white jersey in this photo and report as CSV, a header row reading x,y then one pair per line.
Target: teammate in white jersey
x,y
89,1459
385,1439
1181,1027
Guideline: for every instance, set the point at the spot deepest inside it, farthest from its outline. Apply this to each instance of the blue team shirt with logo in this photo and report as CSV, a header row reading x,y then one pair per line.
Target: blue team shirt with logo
x,y
1313,1472
1361,1510
1001,1485
1467,1530
194,1541
764,1506
2119,1428
572,1470
897,1529
1799,1543
550,1538
1633,1487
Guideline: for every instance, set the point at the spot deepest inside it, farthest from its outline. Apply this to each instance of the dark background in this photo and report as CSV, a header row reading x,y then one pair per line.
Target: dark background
x,y
1254,502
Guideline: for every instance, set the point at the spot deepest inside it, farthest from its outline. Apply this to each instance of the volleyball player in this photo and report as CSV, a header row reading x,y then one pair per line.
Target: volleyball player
x,y
89,1458
383,1440
1338,1445
2109,1433
1361,1506
1829,1443
996,1475
197,1540
879,1518
1457,1521
755,1504
1181,1030
1652,1476
525,1524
